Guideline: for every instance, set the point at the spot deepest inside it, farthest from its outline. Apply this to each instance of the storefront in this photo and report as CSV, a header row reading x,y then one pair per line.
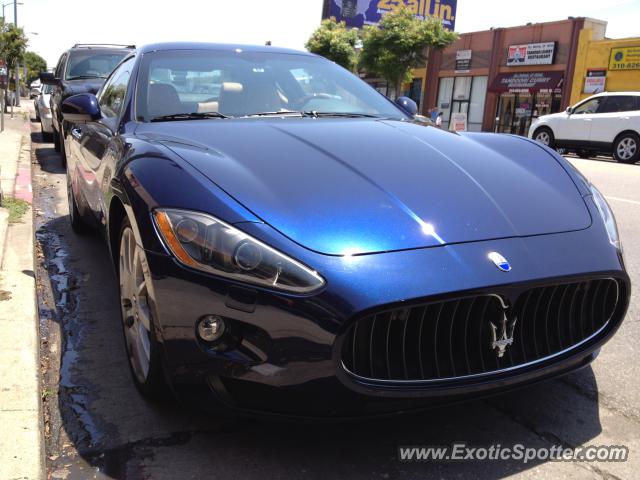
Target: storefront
x,y
503,78
605,64
523,97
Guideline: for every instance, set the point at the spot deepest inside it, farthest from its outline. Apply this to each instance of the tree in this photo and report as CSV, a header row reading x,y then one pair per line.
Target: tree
x,y
13,44
35,64
336,42
399,44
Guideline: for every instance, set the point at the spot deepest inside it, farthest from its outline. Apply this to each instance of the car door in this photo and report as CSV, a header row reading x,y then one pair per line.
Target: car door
x,y
56,92
612,117
575,129
94,139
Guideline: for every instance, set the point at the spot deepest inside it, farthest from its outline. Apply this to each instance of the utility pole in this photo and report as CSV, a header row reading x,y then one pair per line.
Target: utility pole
x,y
15,22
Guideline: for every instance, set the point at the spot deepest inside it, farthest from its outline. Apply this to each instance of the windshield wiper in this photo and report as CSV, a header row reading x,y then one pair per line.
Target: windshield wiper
x,y
280,113
188,116
342,114
85,77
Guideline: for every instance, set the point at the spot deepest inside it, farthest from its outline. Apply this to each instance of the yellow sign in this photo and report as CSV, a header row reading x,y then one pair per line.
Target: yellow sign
x,y
625,58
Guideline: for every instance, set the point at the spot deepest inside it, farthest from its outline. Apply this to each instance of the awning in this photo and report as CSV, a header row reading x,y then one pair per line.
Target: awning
x,y
528,82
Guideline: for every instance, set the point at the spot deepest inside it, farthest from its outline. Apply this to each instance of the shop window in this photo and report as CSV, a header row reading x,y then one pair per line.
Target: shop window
x,y
445,91
462,88
476,103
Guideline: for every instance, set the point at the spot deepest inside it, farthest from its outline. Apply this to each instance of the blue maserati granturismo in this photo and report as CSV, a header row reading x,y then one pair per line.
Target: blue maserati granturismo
x,y
289,241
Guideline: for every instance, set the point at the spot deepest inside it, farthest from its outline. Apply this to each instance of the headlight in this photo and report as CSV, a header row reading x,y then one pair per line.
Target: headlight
x,y
203,242
607,217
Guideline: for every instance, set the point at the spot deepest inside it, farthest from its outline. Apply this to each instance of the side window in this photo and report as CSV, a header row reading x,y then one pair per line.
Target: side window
x,y
590,106
618,103
112,95
60,66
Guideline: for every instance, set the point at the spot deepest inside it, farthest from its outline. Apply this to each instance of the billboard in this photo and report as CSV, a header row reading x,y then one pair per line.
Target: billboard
x,y
357,13
625,58
531,54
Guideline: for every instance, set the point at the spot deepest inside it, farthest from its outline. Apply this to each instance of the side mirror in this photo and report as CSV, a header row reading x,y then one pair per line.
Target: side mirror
x,y
408,105
569,110
81,108
48,78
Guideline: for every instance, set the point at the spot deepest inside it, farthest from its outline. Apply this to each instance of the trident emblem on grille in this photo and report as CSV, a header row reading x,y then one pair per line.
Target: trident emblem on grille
x,y
506,332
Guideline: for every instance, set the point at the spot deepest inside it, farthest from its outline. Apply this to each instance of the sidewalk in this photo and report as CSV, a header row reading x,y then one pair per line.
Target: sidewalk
x,y
21,436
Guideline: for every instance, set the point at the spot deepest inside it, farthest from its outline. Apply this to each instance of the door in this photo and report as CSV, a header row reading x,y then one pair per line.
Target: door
x,y
95,140
56,93
612,117
575,128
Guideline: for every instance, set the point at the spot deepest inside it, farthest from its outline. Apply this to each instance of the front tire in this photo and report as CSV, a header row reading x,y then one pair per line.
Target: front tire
x,y
544,136
626,148
62,150
78,225
56,140
143,349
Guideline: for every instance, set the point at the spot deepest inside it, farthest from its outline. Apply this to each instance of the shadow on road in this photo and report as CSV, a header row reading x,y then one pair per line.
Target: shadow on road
x,y
108,426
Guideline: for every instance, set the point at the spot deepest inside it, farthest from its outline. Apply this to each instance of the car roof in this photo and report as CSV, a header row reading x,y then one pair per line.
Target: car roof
x,y
153,47
607,94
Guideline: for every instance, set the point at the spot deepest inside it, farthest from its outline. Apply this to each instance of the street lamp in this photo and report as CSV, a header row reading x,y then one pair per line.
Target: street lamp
x,y
5,4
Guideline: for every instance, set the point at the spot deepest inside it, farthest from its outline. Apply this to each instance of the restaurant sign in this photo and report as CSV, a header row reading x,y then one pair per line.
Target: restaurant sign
x,y
529,82
531,54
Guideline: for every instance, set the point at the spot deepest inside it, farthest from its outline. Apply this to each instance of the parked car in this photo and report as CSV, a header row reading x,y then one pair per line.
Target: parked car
x,y
43,112
34,89
607,123
320,253
82,68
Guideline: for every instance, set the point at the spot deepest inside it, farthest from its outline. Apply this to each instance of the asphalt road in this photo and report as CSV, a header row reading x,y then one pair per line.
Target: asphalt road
x,y
97,426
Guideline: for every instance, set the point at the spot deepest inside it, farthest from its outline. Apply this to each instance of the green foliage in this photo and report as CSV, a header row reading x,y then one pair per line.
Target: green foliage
x,y
13,44
333,40
35,65
17,208
400,43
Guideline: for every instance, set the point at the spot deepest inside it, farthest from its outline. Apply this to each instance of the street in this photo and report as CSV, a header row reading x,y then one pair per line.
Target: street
x,y
98,426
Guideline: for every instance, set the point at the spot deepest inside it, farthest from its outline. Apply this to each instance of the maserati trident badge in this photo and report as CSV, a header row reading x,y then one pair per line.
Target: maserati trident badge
x,y
499,261
501,342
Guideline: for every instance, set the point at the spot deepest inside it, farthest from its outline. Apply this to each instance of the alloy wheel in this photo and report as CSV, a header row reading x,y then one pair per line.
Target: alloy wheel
x,y
626,148
543,137
134,301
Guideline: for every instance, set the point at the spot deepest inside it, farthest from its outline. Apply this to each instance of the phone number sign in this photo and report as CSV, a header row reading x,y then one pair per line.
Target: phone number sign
x,y
625,58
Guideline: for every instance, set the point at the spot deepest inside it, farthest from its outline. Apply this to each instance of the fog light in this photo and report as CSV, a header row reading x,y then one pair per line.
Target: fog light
x,y
211,328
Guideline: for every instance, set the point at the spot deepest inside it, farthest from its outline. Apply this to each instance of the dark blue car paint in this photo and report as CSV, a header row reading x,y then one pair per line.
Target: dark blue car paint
x,y
290,181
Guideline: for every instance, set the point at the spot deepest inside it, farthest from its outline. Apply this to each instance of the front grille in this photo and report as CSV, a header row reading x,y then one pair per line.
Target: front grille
x,y
454,338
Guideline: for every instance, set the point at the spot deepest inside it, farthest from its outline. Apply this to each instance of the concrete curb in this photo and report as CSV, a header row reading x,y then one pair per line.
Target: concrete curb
x,y
21,434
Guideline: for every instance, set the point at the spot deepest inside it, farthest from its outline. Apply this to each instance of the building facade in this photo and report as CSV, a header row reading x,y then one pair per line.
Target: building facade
x,y
605,65
500,79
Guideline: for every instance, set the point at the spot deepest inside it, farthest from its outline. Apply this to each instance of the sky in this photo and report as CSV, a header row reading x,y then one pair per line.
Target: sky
x,y
288,23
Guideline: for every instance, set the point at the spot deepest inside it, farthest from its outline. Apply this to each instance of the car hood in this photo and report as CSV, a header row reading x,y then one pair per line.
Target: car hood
x,y
85,85
552,115
349,186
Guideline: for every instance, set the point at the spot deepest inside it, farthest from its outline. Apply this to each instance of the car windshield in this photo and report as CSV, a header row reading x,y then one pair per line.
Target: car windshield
x,y
93,63
236,83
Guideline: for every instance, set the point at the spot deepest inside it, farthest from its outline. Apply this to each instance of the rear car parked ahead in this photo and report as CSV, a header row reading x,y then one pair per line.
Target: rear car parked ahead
x,y
82,68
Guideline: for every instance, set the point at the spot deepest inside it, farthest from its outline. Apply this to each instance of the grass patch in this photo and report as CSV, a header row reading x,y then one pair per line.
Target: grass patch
x,y
17,208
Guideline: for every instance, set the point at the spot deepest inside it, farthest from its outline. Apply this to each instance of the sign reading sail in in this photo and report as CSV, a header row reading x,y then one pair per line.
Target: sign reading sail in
x,y
358,13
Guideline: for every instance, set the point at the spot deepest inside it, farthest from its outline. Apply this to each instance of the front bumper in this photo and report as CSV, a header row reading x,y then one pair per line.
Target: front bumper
x,y
288,358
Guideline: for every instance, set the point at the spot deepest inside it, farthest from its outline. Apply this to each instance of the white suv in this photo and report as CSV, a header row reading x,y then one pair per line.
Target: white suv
x,y
607,123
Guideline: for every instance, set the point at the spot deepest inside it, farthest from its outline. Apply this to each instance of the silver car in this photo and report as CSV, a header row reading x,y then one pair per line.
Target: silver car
x,y
43,112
